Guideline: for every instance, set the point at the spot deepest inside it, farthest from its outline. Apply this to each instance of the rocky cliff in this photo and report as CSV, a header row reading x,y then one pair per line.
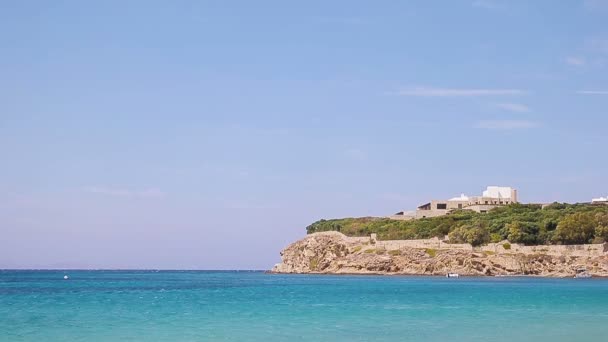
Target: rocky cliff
x,y
334,253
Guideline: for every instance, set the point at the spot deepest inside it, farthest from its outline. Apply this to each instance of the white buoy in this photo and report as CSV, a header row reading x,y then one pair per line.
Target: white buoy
x,y
66,277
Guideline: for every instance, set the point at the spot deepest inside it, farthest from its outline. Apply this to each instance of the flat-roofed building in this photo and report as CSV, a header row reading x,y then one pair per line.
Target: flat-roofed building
x,y
492,197
600,200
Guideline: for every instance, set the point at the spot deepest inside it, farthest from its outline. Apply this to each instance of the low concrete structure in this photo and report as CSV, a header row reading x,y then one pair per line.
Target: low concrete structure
x,y
403,216
434,243
500,248
588,250
600,200
492,197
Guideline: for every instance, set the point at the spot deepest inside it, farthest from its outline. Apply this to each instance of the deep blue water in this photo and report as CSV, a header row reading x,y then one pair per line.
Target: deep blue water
x,y
253,306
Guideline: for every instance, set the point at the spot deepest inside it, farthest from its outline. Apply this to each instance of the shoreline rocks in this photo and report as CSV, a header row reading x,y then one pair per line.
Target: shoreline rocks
x,y
335,253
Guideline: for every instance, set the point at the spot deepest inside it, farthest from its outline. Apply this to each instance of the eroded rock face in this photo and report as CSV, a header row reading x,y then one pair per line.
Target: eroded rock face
x,y
333,252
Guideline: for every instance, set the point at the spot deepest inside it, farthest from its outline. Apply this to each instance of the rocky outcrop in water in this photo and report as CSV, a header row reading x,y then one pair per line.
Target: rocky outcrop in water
x,y
334,253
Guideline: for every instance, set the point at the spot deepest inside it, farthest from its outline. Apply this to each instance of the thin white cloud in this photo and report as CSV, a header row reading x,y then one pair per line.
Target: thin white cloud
x,y
248,203
457,92
120,192
488,4
514,107
396,197
340,20
253,130
595,4
593,92
356,154
597,44
576,61
505,124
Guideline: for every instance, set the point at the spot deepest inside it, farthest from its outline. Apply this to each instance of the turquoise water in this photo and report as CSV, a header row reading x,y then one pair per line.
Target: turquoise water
x,y
253,306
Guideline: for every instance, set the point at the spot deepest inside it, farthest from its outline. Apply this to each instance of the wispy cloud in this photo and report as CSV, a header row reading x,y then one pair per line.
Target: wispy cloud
x,y
593,53
593,92
261,131
340,20
396,197
251,204
505,124
597,44
576,61
514,107
121,192
595,4
488,4
457,92
356,154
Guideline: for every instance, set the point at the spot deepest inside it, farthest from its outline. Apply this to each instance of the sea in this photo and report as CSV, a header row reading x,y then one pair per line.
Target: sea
x,y
255,306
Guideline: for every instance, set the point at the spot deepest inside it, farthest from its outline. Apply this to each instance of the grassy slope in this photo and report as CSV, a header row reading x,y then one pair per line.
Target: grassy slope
x,y
522,223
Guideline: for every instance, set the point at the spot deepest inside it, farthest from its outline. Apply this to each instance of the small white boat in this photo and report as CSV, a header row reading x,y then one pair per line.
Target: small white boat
x,y
452,275
66,277
582,274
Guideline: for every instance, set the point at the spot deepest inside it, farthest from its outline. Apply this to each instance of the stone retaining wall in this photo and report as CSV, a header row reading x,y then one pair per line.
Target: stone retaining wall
x,y
590,250
504,247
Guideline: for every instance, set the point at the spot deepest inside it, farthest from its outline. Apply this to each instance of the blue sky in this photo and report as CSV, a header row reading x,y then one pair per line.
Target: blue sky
x,y
208,134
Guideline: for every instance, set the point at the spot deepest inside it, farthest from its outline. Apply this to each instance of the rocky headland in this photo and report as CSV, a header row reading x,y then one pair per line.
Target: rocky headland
x,y
335,253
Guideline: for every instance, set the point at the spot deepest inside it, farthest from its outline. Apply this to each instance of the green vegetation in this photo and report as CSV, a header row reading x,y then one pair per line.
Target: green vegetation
x,y
394,252
476,234
314,263
431,252
506,245
371,250
528,224
356,249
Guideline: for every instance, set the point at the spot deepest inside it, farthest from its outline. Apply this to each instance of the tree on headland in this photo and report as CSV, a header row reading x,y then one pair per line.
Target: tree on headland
x,y
525,233
475,234
577,228
528,224
601,228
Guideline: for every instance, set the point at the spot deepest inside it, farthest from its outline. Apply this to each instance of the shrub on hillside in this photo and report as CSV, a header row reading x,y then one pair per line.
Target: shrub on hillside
x,y
601,228
522,223
524,233
476,235
577,228
431,252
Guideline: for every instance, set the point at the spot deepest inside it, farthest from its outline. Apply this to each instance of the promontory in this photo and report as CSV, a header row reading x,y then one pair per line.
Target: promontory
x,y
556,240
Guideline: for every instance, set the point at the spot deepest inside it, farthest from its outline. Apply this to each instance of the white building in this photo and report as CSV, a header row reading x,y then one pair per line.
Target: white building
x,y
503,192
492,197
600,200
